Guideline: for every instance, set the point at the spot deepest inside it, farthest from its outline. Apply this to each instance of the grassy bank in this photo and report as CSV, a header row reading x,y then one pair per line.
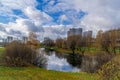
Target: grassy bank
x,y
34,73
10,73
91,51
1,51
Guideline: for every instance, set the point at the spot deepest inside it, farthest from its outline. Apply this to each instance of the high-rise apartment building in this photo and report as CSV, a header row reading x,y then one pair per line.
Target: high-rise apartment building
x,y
74,31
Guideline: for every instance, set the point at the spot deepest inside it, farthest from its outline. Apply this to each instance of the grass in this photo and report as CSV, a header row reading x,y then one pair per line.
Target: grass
x,y
35,73
11,73
1,51
91,51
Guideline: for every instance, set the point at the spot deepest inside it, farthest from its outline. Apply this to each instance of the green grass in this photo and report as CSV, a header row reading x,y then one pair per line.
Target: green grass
x,y
11,73
34,73
91,51
1,51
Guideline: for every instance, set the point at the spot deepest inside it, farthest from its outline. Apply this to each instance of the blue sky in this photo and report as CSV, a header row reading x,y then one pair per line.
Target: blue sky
x,y
41,6
53,18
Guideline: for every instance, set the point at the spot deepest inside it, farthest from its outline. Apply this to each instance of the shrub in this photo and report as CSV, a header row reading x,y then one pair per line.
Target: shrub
x,y
19,54
92,64
110,71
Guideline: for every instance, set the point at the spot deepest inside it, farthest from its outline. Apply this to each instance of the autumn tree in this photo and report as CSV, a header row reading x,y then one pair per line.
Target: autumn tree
x,y
99,39
81,44
110,71
19,54
59,43
64,44
72,42
32,40
105,42
89,41
113,40
48,42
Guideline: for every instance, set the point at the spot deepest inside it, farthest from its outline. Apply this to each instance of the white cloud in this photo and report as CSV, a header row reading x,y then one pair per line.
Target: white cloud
x,y
37,16
9,5
102,14
63,18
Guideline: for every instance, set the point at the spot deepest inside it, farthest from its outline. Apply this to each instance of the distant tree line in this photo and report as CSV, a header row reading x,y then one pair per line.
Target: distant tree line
x,y
107,41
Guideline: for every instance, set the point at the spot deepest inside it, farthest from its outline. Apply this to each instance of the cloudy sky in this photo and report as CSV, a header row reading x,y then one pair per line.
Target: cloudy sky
x,y
53,18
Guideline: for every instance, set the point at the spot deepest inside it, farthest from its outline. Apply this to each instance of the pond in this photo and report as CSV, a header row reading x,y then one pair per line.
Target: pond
x,y
64,62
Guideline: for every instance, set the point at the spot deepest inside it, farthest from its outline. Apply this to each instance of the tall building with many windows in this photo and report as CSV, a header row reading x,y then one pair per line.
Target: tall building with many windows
x,y
87,33
74,31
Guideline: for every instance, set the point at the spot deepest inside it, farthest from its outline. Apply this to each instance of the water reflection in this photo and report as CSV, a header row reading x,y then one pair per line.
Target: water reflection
x,y
89,64
74,60
59,63
52,60
41,60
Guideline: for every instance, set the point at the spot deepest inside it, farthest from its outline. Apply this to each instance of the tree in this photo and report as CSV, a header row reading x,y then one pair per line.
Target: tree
x,y
19,54
81,44
89,41
99,39
113,40
64,44
110,71
59,43
48,42
32,36
105,42
71,42
32,40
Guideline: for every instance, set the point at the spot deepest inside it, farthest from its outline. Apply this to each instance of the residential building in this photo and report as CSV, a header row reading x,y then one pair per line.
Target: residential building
x,y
74,31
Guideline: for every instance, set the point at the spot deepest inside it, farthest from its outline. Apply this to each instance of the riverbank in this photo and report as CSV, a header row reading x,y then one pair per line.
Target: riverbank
x,y
29,73
91,51
35,73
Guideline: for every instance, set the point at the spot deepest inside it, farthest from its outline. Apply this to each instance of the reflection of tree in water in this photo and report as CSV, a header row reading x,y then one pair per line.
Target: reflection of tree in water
x,y
60,55
41,61
57,54
74,60
89,64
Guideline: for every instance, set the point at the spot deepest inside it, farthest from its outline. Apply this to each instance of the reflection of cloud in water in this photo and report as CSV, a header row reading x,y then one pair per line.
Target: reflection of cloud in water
x,y
55,63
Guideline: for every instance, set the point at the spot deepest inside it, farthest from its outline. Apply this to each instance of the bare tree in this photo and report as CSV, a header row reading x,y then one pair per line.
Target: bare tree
x,y
81,44
71,42
113,40
99,39
105,42
59,42
32,36
49,42
32,40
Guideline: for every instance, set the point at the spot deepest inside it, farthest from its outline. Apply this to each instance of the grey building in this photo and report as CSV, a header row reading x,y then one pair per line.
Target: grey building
x,y
74,31
87,33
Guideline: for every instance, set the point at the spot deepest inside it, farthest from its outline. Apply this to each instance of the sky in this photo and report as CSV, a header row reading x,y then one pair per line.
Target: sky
x,y
53,18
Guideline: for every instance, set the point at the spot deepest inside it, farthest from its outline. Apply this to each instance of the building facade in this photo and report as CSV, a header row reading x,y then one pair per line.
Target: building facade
x,y
87,33
74,31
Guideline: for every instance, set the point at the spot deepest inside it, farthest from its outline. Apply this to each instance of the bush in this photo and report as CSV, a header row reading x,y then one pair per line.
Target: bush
x,y
103,58
19,54
110,71
92,64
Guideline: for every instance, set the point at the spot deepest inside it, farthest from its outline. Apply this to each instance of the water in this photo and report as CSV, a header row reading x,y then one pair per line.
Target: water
x,y
60,64
65,62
